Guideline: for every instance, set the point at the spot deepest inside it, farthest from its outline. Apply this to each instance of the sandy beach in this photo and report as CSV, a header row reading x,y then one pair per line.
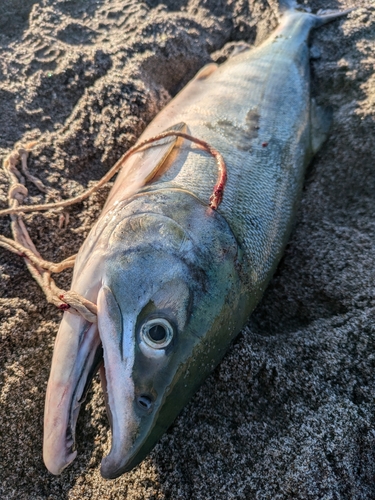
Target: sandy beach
x,y
289,413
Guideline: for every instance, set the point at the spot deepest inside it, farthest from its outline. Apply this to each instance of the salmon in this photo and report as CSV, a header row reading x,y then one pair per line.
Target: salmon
x,y
175,280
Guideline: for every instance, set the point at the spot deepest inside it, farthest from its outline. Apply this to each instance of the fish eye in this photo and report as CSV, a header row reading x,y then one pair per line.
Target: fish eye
x,y
157,333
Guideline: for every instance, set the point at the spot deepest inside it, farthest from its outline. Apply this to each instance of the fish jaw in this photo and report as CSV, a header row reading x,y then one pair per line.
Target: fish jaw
x,y
77,355
117,380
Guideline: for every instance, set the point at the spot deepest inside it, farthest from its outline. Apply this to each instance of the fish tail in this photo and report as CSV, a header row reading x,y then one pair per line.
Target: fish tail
x,y
320,18
326,16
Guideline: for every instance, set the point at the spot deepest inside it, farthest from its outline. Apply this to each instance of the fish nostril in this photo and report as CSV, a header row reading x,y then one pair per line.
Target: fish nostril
x,y
144,402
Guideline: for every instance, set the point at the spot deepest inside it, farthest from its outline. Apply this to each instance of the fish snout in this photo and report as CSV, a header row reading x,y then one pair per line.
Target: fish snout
x,y
122,457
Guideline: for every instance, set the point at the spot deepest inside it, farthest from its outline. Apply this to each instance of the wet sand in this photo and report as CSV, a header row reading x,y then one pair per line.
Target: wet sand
x,y
290,412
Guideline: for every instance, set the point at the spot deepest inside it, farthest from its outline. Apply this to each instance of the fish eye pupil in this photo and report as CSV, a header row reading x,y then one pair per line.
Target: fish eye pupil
x,y
157,333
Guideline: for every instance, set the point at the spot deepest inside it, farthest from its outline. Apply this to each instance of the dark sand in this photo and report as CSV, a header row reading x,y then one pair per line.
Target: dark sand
x,y
290,412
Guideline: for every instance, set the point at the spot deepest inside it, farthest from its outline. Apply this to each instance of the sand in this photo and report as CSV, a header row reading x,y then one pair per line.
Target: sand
x,y
290,412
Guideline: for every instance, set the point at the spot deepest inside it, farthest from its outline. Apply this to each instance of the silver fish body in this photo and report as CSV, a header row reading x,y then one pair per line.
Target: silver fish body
x,y
175,280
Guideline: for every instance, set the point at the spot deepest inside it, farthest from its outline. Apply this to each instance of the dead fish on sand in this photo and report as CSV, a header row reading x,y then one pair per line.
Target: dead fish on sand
x,y
175,280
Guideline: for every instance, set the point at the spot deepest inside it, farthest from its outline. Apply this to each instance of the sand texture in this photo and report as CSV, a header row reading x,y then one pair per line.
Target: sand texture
x,y
290,412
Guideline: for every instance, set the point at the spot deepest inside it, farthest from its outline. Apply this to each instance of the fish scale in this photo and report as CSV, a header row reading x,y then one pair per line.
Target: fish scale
x,y
173,279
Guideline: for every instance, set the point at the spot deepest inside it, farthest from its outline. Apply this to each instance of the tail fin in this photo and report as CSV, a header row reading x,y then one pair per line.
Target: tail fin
x,y
321,17
326,16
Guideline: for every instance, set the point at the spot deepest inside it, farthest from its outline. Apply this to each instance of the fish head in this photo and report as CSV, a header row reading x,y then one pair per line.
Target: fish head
x,y
161,310
168,288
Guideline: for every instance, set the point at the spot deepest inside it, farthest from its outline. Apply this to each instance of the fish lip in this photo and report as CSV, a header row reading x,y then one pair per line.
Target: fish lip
x,y
65,395
74,409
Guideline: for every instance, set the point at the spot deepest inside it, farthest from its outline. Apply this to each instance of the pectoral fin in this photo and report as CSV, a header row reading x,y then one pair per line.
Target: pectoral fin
x,y
163,153
146,165
205,72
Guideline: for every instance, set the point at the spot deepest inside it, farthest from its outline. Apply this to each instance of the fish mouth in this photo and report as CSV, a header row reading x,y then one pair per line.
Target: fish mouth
x,y
77,401
76,360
